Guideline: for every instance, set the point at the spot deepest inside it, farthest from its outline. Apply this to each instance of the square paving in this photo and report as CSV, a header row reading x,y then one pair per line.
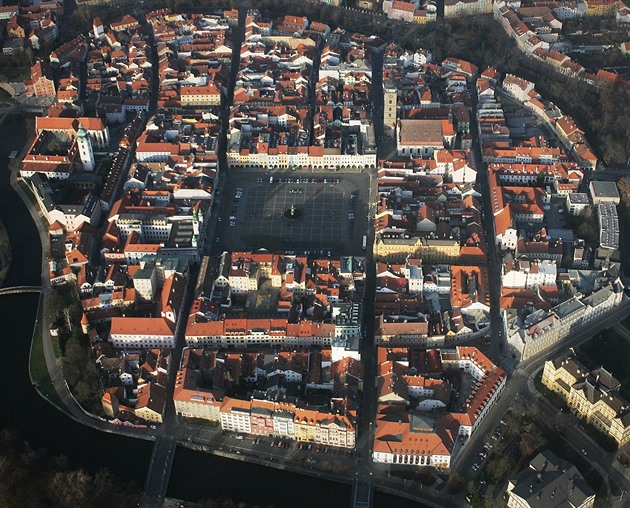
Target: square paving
x,y
263,218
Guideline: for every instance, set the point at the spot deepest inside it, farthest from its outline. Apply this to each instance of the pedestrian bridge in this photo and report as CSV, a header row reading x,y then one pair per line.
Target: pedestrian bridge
x,y
17,290
362,491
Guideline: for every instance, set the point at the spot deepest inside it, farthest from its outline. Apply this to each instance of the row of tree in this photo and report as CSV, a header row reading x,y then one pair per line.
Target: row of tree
x,y
77,360
33,478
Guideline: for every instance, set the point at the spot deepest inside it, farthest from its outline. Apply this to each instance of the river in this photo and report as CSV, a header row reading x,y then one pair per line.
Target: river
x,y
195,475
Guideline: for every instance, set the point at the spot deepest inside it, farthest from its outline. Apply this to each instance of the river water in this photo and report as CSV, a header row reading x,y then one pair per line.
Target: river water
x,y
195,475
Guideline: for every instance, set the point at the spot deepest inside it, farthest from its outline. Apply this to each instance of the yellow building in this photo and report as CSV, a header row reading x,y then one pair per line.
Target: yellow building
x,y
600,7
305,428
592,395
208,95
428,249
428,13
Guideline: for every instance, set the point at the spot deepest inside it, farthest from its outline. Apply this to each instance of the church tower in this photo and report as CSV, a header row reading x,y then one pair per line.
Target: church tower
x,y
389,110
85,149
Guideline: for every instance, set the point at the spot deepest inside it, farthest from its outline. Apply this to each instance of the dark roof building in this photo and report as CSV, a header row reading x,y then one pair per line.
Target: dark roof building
x,y
549,482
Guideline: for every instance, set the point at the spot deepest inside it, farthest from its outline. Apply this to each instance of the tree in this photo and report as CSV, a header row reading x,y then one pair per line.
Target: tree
x,y
530,443
70,488
624,191
562,420
500,468
103,482
455,483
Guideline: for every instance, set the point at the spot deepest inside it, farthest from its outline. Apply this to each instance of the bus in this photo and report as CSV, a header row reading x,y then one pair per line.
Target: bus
x,y
364,242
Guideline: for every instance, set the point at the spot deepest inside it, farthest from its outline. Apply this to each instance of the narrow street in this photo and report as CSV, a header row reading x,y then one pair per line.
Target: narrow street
x,y
363,474
362,492
494,259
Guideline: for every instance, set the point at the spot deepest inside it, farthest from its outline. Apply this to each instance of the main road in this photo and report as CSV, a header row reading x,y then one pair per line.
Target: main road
x,y
517,387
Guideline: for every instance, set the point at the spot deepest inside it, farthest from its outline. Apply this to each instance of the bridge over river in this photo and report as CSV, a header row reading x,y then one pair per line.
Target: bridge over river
x,y
17,290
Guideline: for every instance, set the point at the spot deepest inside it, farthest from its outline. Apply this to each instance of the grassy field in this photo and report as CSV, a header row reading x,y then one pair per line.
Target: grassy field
x,y
38,369
15,74
553,397
28,192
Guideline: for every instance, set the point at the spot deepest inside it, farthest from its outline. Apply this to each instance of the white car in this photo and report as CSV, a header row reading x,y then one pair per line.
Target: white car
x,y
475,467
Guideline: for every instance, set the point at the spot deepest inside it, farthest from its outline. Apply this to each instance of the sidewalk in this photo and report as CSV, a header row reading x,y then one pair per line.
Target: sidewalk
x,y
532,388
71,407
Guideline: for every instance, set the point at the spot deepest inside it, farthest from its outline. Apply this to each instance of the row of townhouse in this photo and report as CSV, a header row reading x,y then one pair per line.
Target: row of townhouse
x,y
531,331
412,11
307,302
521,193
287,421
271,370
194,55
413,426
133,383
273,124
418,93
119,68
450,303
28,28
422,216
536,29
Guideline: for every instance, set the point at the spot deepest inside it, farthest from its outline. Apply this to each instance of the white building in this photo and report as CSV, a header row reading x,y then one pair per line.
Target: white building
x,y
138,332
84,144
577,202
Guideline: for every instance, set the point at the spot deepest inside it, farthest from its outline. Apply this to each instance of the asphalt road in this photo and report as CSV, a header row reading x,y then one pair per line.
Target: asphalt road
x,y
517,386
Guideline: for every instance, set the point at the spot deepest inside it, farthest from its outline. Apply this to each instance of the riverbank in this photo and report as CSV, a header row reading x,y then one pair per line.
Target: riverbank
x,y
5,253
37,421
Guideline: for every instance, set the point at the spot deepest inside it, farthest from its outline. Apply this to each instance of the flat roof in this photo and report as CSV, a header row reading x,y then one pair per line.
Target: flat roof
x,y
604,189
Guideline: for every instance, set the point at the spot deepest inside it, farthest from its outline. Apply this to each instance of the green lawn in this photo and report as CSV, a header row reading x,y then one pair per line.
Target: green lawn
x,y
14,74
38,369
56,347
28,191
614,488
601,439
